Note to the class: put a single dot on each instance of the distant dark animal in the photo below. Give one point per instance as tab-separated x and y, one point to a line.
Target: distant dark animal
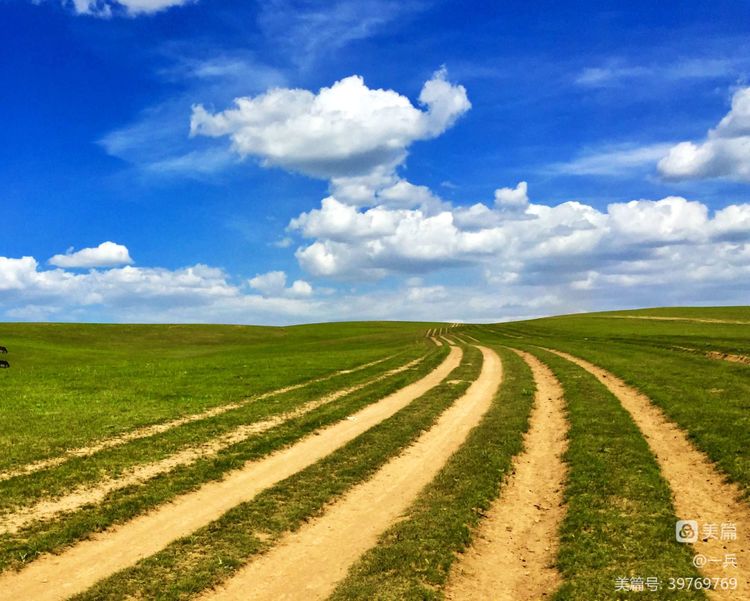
4	363
3	349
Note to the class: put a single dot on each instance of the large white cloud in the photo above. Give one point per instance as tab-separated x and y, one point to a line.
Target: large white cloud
346	130
506	264
145	294
565	244
107	254
724	153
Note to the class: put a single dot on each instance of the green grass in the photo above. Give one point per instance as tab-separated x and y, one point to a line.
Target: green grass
70	384
413	558
122	505
620	519
56	481
707	398
214	553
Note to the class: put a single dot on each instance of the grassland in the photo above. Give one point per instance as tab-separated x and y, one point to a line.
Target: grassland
213	553
72	386
356	342
707	397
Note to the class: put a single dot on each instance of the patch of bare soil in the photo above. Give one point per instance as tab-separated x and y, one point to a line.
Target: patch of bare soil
513	552
718	355
56	577
147	431
92	494
665	318
728	357
700	491
307	564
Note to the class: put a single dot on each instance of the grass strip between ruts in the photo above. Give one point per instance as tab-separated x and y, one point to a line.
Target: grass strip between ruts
211	555
413	558
111	463
124	504
620	520
708	399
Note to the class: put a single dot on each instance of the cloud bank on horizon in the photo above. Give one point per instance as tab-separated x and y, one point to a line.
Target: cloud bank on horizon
379	243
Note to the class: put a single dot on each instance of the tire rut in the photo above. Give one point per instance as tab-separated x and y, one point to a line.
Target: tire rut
700	491
87	495
56	577
513	553
308	564
154	429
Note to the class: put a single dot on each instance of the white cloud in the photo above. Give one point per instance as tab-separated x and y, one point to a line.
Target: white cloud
426	294
724	153
344	131
617	73
570	257
603	76
109	8
300	289
672	219
613	160
270	284
273	284
571	245
512	198
107	254
144	294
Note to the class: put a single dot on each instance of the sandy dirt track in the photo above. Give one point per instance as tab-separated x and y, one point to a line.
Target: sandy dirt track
52	578
307	564
513	552
700	492
147	431
48	509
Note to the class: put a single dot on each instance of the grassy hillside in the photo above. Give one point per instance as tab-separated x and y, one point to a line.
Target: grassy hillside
676	360
70	384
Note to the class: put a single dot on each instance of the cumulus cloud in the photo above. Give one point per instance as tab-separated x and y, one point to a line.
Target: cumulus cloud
110	8
107	254
571	245
724	153
198	293
270	284
300	289
512	198
346	130
517	264
273	284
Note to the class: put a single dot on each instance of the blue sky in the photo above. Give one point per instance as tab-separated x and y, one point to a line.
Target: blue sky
374	167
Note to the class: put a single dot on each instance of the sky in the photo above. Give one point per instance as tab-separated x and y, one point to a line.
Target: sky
292	161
